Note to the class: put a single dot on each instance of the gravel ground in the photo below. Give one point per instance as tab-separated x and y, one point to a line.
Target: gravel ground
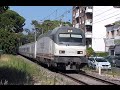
108	77
57	78
86	79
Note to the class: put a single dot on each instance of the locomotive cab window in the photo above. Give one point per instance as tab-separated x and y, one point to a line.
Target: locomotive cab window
77	38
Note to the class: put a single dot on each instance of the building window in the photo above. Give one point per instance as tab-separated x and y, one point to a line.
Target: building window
112	33
90	7
118	32
88	28
77	19
107	34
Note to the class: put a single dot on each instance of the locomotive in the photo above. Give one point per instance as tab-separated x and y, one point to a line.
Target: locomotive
63	48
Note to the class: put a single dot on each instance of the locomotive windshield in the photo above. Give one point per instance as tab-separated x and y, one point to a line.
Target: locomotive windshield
77	38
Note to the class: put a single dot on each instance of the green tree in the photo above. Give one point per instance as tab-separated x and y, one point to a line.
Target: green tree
3	9
47	25
89	51
8	41
11	25
12	21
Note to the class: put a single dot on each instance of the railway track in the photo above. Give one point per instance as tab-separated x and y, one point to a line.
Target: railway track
98	79
85	79
74	79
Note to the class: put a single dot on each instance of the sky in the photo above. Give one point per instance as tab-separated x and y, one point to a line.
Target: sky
41	12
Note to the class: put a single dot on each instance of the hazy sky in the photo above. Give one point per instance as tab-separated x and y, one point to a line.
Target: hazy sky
40	12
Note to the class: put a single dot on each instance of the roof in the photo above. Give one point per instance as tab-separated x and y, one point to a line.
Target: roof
108	25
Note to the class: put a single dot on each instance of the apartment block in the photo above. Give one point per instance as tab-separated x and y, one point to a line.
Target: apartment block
82	18
112	40
92	20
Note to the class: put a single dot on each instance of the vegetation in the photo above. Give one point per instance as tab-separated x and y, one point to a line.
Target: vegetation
17	71
11	21
11	30
40	28
11	25
89	52
47	25
3	9
14	70
102	54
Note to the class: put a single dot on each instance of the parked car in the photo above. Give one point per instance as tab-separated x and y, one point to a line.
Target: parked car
111	59
117	62
96	62
114	60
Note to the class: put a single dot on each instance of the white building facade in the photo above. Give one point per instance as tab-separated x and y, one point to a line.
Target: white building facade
101	16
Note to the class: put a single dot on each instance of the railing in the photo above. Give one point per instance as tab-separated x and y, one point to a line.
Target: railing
88	10
88	22
88	34
77	25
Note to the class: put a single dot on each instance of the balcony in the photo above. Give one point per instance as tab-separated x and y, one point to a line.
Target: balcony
117	37
88	10
88	22
88	34
109	42
77	14
77	25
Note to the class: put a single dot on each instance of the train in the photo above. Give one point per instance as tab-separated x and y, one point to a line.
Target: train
63	48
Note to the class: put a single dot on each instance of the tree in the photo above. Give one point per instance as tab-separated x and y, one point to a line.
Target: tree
8	41
11	24
12	21
47	25
89	51
3	9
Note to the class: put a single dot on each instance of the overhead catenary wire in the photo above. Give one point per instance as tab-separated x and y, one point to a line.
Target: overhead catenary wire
108	18
107	14
56	14
104	12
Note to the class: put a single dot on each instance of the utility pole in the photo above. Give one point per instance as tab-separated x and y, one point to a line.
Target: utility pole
35	45
56	14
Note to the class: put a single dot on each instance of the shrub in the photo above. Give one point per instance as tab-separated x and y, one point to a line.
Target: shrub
89	51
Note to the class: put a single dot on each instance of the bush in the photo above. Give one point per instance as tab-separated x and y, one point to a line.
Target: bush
102	54
89	52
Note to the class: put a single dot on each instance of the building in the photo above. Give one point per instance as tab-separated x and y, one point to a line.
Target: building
92	19
112	40
82	18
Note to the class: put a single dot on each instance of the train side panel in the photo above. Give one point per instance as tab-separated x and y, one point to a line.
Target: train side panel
45	49
27	50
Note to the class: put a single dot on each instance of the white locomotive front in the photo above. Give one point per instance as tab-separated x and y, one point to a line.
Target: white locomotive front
64	48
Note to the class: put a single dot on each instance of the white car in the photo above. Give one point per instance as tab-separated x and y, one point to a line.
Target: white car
96	62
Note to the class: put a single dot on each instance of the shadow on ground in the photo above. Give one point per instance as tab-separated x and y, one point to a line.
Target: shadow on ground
12	76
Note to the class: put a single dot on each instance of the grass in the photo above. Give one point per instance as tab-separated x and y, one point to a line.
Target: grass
16	71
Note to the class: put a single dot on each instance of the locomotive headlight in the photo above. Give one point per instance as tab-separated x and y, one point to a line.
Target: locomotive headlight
61	51
79	52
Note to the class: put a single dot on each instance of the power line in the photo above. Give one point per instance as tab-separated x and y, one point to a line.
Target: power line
107	18
108	14
103	12
99	9
49	15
